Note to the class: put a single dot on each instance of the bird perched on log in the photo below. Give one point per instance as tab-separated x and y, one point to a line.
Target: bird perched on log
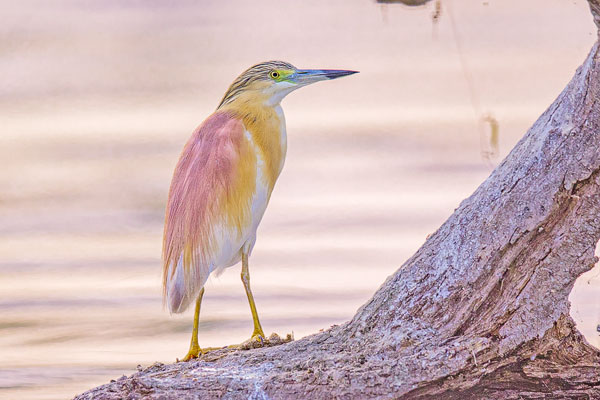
223	182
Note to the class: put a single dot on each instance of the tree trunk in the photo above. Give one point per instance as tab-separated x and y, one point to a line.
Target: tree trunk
480	311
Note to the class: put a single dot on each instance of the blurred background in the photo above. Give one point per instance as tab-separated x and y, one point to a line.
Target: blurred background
98	97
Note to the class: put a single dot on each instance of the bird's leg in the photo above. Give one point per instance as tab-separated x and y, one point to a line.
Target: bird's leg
258	333
195	349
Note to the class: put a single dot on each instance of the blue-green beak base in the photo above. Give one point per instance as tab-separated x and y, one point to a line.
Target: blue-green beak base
306	76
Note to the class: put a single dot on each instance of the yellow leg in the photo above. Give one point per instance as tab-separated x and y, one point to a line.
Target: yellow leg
258	333
195	349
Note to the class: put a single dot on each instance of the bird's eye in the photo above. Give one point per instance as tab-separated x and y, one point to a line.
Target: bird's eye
274	74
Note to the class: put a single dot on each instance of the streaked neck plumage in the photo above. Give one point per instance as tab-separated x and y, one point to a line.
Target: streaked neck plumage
263	119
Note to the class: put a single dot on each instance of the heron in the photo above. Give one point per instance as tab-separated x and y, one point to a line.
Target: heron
222	184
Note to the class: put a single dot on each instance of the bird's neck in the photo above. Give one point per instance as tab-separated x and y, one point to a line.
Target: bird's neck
265	124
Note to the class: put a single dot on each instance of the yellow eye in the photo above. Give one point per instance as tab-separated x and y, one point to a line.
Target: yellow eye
274	74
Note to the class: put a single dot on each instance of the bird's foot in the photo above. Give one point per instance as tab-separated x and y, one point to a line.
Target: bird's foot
259	339
194	352
258	334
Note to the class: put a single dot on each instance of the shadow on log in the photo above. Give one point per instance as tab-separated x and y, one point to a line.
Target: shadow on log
480	311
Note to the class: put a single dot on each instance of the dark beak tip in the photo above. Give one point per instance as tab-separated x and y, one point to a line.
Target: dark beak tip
339	74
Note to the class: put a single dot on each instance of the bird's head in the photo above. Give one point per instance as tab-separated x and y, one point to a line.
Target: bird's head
271	81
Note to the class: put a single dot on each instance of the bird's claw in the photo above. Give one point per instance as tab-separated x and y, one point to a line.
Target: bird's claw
194	352
258	338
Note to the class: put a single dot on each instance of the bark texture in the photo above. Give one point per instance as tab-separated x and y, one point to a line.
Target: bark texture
480	311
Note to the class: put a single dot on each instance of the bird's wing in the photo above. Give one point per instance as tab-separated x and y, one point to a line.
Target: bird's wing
210	194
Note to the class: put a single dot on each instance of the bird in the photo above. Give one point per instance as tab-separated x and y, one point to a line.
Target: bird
222	184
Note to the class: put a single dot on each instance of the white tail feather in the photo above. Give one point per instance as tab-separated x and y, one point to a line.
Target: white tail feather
181	294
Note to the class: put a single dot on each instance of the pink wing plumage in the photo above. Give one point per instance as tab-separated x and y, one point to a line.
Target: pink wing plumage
203	187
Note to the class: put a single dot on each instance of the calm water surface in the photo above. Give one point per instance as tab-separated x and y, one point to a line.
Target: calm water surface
98	99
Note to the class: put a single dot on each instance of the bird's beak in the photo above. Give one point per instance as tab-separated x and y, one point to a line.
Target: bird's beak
308	76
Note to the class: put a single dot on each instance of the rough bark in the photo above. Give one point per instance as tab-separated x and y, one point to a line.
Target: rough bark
480	311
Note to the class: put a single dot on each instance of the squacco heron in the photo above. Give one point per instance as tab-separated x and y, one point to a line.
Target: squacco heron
222	185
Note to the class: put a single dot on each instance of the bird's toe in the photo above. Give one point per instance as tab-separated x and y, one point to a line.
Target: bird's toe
193	353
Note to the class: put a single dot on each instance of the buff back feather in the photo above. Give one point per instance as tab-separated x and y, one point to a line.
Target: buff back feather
211	187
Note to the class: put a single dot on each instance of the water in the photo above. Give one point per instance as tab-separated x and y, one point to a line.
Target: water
98	99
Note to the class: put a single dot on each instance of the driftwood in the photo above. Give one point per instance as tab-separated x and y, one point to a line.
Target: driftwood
480	311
